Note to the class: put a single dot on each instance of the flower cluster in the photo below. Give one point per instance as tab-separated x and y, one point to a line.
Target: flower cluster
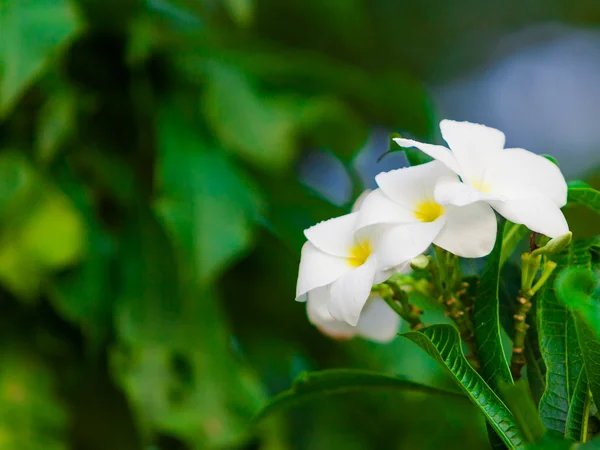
448	202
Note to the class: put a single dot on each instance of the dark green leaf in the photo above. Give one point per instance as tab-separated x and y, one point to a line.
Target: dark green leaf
514	233
579	410
518	399
494	367
559	347
443	344
535	367
339	381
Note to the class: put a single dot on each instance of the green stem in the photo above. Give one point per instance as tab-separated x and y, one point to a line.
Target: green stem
529	270
397	299
447	277
520	332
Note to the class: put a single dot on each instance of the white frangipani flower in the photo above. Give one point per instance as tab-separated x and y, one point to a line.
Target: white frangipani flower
407	199
523	187
378	322
348	264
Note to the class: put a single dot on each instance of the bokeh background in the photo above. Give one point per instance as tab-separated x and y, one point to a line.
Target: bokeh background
159	160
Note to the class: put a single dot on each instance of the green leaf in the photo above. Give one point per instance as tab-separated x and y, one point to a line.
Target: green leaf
575	287
494	367
535	367
514	233
443	344
518	399
207	205
31	34
310	385
41	229
246	123
559	347
583	195
579	410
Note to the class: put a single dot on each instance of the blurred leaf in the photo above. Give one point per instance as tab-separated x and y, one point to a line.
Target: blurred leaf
294	208
207	205
57	120
518	399
247	123
560	348
579	410
313	385
31	33
486	319
326	122
513	235
44	232
32	417
85	294
587	196
241	11
442	343
575	286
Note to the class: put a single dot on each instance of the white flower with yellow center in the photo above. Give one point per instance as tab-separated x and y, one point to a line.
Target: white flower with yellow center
340	265
377	322
407	198
523	187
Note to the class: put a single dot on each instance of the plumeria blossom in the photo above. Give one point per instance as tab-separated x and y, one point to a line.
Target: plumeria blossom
339	266
377	322
523	187
407	198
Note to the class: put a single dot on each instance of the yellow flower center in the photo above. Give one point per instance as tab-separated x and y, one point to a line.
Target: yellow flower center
428	211
481	186
359	253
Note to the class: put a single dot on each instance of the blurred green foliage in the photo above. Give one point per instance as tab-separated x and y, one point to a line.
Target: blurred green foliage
151	220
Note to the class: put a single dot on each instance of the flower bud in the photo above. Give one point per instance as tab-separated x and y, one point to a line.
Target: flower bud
419	263
554	245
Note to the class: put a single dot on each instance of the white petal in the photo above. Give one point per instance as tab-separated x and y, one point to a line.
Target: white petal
470	231
318	269
451	191
473	146
378	322
411	185
516	169
378	208
536	212
350	292
437	152
334	236
360	199
397	244
318	315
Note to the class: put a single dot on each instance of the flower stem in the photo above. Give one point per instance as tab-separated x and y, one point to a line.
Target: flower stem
397	299
520	332
530	267
447	276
